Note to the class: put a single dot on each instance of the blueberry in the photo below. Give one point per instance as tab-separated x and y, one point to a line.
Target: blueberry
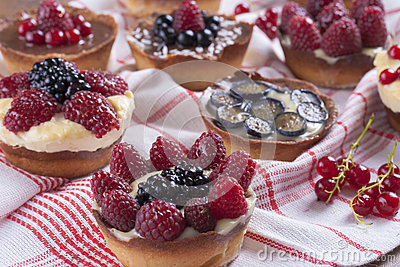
213	28
165	18
212	20
167	35
204	37
186	38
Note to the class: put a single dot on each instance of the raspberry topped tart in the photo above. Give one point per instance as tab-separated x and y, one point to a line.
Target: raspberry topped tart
59	121
52	30
388	67
189	34
180	214
269	118
329	45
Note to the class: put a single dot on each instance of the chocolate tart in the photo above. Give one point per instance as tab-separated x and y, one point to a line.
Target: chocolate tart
343	72
64	164
144	8
93	54
283	150
149	53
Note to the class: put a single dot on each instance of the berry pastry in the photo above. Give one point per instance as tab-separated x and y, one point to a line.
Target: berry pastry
184	215
59	121
315	5
144	8
388	67
189	34
52	30
269	118
329	45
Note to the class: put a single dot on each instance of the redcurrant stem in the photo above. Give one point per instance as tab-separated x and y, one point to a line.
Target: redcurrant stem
378	183
345	163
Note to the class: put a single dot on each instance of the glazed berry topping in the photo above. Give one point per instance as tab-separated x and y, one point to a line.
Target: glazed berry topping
54	26
127	163
304	34
242	8
373	27
208	150
388	76
188	17
288	11
329	14
10	85
239	165
93	111
107	84
342	38
359	5
159	220
119	209
30	108
58	78
102	182
315	6
165	153
199	215
387	203
394	52
227	199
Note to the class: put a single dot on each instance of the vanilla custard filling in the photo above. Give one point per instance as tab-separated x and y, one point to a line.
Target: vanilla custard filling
223	226
389	93
60	134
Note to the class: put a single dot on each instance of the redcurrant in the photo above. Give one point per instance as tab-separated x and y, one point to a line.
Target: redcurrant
55	37
327	167
73	36
387	203
363	205
35	37
323	185
384	168
394	52
85	28
358	176
372	192
242	8
388	76
27	25
390	184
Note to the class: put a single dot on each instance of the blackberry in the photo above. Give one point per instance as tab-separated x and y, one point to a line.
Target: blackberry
186	174
57	77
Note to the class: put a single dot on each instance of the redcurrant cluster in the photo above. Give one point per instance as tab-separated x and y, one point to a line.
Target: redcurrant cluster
267	22
388	76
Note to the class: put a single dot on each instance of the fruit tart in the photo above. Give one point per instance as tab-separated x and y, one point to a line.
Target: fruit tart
52	30
388	67
180	214
144	8
329	45
306	3
189	34
59	121
269	118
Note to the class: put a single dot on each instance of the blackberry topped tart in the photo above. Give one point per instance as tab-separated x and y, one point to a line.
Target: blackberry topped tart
188	34
179	214
269	118
53	30
329	45
57	120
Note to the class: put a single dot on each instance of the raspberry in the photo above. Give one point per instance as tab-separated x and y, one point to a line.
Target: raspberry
329	14
199	215
227	199
119	209
359	5
107	84
188	17
304	34
288	11
30	108
93	111
315	6
127	163
341	38
207	151
9	86
372	27
159	220
165	153
51	16
239	165
102	182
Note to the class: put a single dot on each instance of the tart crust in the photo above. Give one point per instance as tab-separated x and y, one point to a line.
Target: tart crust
206	249
346	72
393	118
231	55
144	8
95	58
65	164
287	150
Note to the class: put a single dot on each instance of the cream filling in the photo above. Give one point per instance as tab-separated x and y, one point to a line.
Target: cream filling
319	53
60	134
223	226
389	93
